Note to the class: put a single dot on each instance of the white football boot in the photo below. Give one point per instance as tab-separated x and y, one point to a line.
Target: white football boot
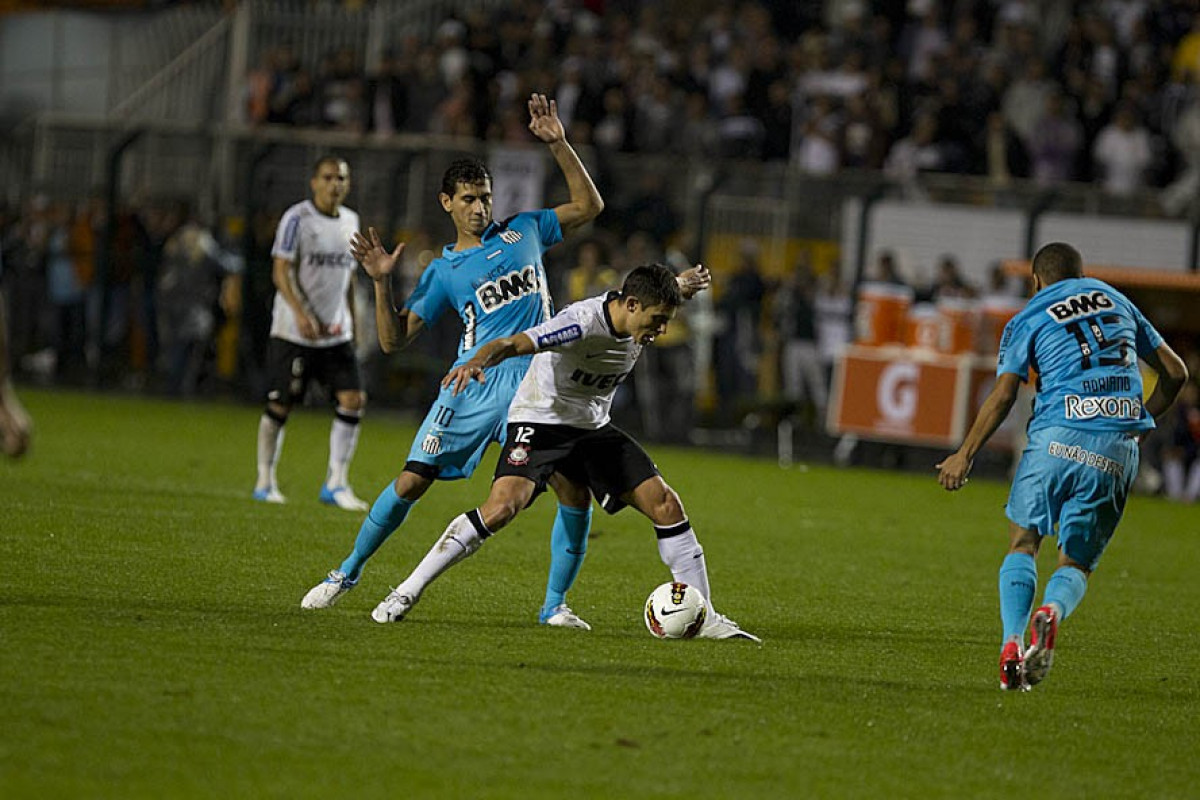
269	495
719	626
563	617
342	497
327	592
393	608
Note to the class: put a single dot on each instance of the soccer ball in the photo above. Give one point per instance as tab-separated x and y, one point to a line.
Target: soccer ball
675	611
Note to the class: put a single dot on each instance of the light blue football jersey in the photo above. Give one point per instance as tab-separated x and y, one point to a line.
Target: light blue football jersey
497	289
1082	337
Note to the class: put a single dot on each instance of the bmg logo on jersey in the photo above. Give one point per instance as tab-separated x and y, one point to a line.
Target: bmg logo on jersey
1079	305
507	288
1080	407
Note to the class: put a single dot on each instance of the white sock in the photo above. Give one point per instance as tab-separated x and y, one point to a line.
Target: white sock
343	439
270	444
1192	492
1173	479
461	538
683	555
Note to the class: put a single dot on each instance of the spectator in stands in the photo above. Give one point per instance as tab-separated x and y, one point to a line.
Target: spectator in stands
916	153
1122	153
1055	142
737	344
386	98
800	365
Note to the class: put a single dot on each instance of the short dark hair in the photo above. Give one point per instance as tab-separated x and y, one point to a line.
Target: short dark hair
470	171
328	158
653	285
1057	262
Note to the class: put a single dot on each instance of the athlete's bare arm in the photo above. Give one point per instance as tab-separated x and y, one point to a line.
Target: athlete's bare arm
397	327
585	203
952	473
1172	375
489	355
283	274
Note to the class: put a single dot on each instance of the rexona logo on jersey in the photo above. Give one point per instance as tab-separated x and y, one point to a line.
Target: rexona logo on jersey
507	288
1083	407
1079	305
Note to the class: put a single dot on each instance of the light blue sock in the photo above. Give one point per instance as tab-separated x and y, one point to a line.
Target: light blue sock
568	546
1065	589
1018	584
385	516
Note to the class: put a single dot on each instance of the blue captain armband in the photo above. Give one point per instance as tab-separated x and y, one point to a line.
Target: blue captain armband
559	337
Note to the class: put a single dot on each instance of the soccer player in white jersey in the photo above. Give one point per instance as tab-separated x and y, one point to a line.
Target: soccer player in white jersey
312	331
1083	338
559	424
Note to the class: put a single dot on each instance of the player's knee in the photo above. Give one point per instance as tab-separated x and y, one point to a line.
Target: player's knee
352	401
667	509
277	411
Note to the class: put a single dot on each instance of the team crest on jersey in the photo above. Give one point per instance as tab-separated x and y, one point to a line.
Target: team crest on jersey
507	288
518	456
432	444
1079	305
509	236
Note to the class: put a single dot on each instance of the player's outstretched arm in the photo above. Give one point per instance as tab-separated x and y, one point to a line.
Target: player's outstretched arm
1172	375
489	355
396	326
585	203
952	472
694	281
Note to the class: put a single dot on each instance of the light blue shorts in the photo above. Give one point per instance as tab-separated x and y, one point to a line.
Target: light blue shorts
1074	484
457	430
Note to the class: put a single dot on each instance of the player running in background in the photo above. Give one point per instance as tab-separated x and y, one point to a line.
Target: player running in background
1083	338
559	424
492	277
312	331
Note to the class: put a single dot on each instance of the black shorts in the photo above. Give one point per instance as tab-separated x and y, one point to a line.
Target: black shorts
291	366
607	460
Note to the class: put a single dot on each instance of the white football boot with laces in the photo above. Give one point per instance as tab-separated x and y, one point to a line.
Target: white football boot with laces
327	592
393	608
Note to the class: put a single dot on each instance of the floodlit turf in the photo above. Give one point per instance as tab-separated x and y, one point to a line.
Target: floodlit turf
152	644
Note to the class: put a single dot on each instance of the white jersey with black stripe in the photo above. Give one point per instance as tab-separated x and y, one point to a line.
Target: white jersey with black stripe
319	246
579	363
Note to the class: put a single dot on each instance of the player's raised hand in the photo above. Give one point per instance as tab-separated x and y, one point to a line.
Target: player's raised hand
543	119
693	281
375	259
462	375
952	473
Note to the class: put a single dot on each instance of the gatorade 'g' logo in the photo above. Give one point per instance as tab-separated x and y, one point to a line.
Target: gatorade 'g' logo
1079	305
896	393
507	288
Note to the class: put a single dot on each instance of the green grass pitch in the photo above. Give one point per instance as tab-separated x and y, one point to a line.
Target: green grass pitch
152	644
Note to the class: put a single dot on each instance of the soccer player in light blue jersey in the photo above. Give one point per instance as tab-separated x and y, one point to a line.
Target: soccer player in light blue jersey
492	277
1083	338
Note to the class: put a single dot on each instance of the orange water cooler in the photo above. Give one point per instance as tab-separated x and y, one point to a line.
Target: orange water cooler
881	313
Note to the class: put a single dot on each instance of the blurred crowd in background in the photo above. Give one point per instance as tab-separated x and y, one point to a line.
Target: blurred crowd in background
1055	90
1105	91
